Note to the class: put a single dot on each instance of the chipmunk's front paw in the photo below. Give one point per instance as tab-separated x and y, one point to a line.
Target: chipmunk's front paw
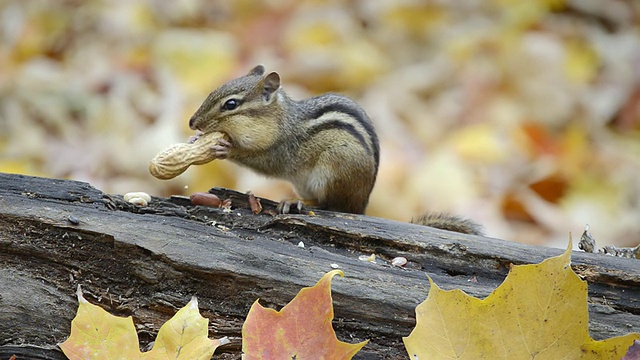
194	138
221	149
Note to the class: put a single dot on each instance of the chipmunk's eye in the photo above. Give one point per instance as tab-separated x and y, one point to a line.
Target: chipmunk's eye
230	104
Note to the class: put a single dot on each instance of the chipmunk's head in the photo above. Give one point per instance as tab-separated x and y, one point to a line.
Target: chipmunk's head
245	109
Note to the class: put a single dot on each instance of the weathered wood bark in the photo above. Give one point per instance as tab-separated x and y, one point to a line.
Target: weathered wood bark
148	262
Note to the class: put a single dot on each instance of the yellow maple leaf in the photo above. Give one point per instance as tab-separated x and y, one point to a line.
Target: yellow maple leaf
96	334
184	336
539	311
300	330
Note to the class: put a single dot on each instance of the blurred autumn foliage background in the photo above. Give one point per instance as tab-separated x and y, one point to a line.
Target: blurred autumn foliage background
523	115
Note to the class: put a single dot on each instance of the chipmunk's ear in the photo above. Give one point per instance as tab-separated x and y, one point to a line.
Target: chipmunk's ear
270	84
256	71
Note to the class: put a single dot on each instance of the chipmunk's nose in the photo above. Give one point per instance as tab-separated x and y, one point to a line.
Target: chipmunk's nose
192	122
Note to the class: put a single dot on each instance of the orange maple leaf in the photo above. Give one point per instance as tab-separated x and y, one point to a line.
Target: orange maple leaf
300	330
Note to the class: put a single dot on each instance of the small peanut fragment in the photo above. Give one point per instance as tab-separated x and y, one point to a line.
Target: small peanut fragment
136	194
206	199
174	160
137	198
369	258
399	261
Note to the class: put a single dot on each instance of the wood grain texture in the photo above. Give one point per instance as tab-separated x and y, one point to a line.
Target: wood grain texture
148	262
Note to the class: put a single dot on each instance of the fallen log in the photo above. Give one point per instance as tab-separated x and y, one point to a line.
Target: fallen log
148	262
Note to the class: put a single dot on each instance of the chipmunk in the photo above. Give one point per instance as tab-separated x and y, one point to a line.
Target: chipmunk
326	146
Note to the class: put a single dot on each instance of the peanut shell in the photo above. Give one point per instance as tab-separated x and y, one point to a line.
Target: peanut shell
174	160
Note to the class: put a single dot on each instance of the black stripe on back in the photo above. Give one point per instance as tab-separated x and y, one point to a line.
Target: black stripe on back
355	114
338	124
